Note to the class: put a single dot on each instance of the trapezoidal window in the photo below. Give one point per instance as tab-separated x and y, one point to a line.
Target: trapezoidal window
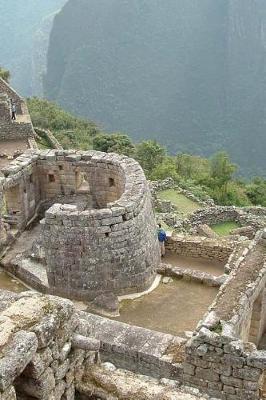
111	182
51	178
82	184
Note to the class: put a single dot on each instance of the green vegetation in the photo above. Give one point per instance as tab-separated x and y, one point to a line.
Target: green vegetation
214	177
24	30
224	228
117	143
175	76
183	204
70	131
43	143
256	191
4	74
217	328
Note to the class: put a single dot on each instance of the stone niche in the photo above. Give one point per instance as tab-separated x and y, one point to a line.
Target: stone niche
99	231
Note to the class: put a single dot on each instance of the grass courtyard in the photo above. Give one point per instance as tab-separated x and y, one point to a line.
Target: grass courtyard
183	204
224	228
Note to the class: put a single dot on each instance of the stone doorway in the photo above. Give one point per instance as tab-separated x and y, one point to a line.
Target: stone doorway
13	207
257	332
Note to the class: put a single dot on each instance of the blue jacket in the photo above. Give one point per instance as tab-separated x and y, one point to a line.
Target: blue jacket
161	235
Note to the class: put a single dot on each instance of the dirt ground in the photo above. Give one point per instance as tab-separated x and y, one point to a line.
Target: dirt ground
9	147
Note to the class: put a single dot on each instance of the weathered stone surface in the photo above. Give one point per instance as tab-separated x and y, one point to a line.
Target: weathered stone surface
39	388
16	356
91	240
85	343
39	363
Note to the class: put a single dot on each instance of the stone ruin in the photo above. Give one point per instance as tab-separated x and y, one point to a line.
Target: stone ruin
99	234
22	127
45	348
94	238
250	219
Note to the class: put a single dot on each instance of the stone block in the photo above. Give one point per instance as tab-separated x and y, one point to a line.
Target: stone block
207	374
247	373
9	394
38	388
18	354
231	381
39	363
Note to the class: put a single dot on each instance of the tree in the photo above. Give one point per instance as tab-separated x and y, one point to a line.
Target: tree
4	74
116	142
222	171
72	132
166	169
149	154
256	191
192	167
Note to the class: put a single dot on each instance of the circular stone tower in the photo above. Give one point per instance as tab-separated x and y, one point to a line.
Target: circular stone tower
107	244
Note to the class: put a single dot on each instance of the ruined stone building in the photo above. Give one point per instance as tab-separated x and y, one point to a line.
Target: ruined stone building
99	234
81	225
21	128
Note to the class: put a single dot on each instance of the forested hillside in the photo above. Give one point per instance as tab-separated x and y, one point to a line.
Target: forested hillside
213	177
24	30
188	73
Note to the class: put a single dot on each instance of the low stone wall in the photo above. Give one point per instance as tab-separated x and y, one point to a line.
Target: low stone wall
13	130
254	217
192	275
220	359
44	347
214	215
200	247
30	278
224	367
168	183
49	137
137	349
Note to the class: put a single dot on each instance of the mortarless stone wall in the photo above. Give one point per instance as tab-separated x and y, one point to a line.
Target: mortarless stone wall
222	358
200	247
254	217
104	240
44	347
22	127
110	248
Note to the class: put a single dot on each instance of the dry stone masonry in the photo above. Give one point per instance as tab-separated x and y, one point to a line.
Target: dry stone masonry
223	358
44	347
22	127
99	234
97	240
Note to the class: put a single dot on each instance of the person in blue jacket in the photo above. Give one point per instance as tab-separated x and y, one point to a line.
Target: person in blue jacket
162	239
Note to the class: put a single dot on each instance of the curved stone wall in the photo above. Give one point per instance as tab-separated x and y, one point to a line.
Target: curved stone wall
110	248
99	234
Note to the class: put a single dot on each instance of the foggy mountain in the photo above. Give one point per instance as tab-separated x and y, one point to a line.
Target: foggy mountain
24	30
189	73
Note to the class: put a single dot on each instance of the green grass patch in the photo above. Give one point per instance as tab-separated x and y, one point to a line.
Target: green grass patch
183	204
224	228
43	143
